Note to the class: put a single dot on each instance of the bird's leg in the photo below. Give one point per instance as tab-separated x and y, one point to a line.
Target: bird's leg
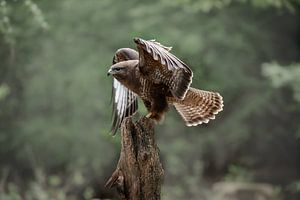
157	107
154	115
148	106
149	115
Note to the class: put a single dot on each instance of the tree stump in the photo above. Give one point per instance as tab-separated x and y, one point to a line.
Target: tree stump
139	173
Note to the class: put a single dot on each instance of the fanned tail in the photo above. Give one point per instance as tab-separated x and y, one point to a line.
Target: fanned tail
198	106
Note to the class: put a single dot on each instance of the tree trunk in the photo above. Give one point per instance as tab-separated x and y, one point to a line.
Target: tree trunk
139	173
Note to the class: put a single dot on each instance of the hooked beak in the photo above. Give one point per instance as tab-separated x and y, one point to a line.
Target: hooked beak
109	72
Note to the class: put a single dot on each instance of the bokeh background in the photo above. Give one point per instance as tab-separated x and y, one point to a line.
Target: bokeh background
55	111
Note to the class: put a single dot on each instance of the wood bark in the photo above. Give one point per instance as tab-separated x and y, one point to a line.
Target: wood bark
139	173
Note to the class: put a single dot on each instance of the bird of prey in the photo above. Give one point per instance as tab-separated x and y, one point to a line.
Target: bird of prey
160	79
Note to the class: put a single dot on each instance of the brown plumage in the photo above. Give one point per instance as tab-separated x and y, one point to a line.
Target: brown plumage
160	79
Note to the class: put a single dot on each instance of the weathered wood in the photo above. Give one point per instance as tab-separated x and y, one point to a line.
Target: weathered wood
139	173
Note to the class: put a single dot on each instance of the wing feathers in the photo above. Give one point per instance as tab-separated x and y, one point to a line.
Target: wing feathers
160	66
125	104
161	53
179	83
124	101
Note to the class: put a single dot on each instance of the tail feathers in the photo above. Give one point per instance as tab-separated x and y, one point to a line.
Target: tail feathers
199	106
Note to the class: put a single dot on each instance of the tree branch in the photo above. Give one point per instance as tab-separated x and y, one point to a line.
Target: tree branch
139	173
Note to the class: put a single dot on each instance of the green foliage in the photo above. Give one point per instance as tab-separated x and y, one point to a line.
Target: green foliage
5	22
238	174
294	186
211	5
4	91
54	93
284	76
10	28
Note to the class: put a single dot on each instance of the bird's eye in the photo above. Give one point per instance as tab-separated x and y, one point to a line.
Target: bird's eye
117	68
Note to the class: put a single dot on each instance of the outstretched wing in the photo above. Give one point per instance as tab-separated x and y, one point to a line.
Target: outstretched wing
125	101
160	66
125	104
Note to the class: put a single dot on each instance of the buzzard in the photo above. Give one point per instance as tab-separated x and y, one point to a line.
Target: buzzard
160	79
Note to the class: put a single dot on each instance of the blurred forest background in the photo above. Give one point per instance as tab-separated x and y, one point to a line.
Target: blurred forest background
55	97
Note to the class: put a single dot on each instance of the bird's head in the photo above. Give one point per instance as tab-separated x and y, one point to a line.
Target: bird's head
122	70
117	70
